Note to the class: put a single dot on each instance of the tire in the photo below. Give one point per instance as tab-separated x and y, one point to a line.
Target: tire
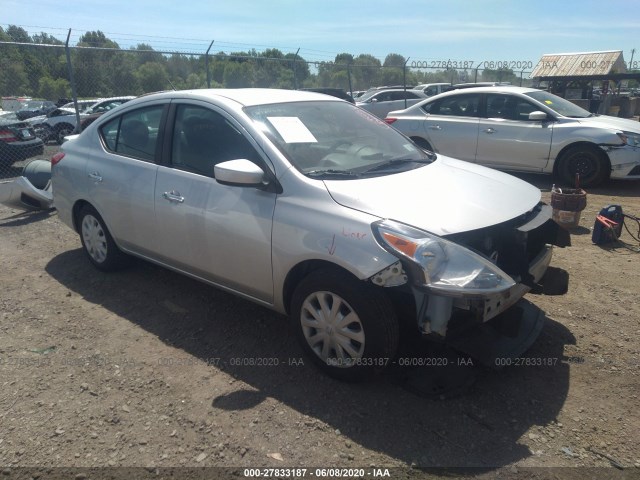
62	131
356	349
589	162
422	143
98	243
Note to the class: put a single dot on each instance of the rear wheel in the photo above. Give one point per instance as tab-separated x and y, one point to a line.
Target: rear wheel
348	328
588	162
98	243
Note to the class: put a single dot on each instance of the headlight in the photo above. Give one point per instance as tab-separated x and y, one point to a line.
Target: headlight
630	138
446	266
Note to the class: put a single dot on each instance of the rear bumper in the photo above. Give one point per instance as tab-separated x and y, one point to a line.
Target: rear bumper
19	193
15	151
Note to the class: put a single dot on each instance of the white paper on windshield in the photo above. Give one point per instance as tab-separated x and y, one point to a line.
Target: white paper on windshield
292	130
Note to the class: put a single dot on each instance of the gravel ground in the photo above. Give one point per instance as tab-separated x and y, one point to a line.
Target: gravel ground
147	368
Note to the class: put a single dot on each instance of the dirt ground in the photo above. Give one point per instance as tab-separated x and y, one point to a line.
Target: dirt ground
148	368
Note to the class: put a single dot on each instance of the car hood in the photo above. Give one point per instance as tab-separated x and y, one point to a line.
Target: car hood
446	197
36	120
616	123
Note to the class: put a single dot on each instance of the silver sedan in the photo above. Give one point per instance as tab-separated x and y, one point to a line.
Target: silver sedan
310	206
526	130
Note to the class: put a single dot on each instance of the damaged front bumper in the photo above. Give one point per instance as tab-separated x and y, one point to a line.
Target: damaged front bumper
435	311
625	161
521	248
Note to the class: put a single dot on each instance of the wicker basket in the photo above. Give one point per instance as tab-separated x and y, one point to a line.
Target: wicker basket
567	203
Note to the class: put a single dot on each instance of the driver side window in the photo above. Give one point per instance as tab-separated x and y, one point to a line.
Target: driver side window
203	138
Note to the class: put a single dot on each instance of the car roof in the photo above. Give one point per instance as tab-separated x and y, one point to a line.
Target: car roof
246	97
487	89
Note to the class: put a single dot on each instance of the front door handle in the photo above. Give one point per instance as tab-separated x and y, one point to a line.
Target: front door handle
173	196
435	127
489	130
95	176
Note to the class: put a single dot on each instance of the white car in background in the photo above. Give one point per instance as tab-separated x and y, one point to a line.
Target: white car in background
431	89
526	130
62	121
381	102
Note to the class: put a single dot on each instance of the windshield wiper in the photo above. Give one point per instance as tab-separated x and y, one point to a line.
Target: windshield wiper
332	172
396	161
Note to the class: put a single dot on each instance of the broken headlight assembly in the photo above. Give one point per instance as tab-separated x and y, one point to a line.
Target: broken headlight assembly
630	138
443	266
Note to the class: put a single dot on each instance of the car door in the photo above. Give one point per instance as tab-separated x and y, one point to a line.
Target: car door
508	139
451	125
380	104
121	177
220	233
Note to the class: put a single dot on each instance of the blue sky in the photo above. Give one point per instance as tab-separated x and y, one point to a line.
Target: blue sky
457	30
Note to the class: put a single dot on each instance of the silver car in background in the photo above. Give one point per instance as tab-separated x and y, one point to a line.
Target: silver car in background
310	206
526	130
382	101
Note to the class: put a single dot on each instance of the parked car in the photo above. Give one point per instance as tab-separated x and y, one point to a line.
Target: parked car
310	206
18	141
431	89
61	122
381	102
34	108
527	130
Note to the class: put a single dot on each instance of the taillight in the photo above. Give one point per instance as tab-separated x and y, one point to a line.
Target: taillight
8	136
390	120
56	158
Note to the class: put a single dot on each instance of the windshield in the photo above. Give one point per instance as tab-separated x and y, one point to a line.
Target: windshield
31	105
334	138
559	105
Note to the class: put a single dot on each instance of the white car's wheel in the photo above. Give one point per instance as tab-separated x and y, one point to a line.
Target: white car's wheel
347	327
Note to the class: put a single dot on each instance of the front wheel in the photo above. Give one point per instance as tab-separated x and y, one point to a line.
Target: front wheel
98	243
588	163
348	328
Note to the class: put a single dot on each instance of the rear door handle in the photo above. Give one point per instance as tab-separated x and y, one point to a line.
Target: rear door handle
95	176
489	130
173	196
435	127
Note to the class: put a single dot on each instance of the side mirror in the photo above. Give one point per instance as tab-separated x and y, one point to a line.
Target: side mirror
240	172
374	100
538	116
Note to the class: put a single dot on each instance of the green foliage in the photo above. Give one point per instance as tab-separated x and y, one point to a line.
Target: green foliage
50	88
107	70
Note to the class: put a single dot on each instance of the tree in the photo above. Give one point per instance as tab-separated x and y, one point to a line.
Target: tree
238	75
394	60
18	34
54	89
152	77
365	71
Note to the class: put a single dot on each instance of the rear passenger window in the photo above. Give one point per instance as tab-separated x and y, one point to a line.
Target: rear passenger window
134	134
458	106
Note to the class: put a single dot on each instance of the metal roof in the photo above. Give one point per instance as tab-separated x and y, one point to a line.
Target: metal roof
584	64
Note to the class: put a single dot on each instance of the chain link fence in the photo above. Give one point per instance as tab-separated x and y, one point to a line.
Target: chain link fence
52	90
